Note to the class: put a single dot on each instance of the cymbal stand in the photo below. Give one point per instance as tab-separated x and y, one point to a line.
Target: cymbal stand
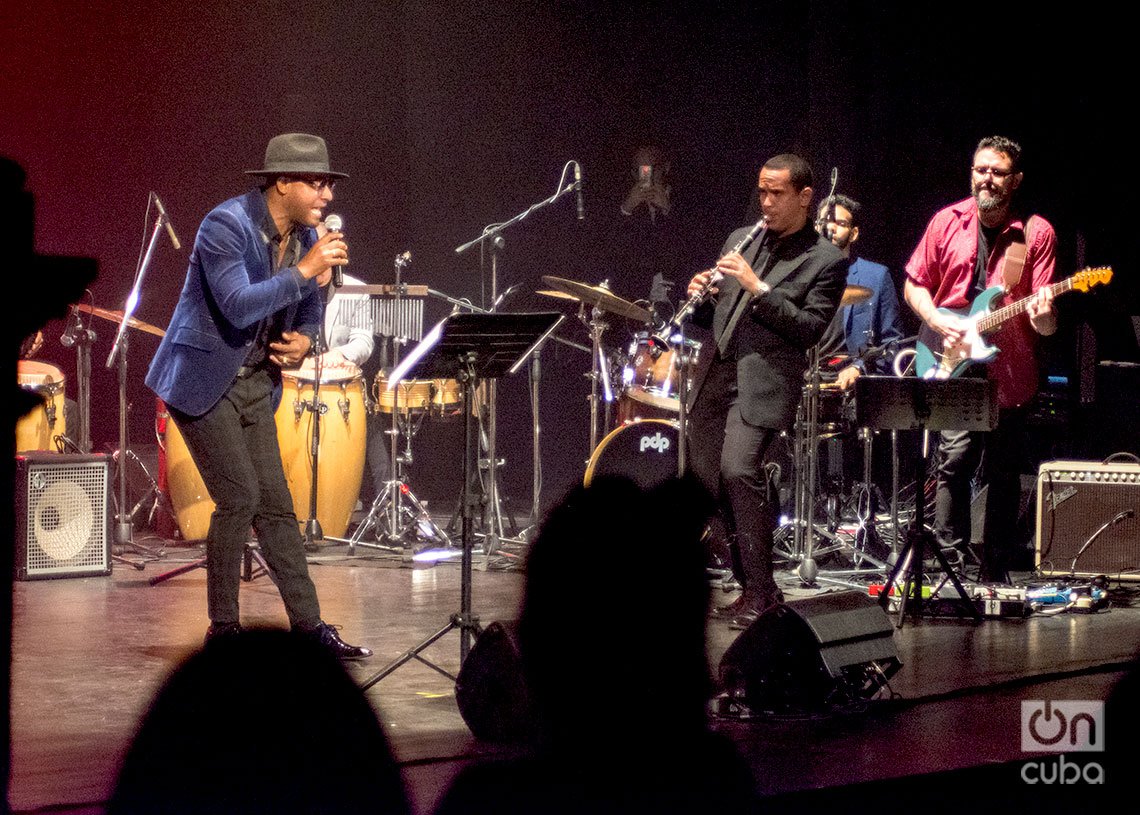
82	337
597	327
317	408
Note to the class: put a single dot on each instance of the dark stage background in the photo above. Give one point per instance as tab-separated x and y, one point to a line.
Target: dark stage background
450	116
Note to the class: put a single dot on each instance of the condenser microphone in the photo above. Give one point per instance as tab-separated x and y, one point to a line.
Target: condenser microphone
334	223
578	187
166	220
69	336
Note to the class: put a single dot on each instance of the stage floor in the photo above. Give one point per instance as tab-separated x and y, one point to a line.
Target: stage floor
88	654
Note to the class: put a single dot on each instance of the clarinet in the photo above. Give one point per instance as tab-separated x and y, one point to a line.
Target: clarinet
660	340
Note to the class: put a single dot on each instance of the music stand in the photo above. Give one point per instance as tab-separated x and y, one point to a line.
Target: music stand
909	403
468	348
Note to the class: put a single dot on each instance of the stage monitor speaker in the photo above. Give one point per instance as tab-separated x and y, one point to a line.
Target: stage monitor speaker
812	654
1088	519
62	516
490	690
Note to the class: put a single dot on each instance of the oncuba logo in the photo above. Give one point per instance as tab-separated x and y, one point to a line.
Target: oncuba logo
656	442
1066	726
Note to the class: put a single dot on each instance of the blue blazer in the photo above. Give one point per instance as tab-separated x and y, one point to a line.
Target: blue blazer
875	321
230	288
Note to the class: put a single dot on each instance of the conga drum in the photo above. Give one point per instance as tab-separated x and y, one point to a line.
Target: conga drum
341	446
178	476
37	430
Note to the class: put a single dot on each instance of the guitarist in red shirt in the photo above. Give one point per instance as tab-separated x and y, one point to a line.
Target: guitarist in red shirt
968	248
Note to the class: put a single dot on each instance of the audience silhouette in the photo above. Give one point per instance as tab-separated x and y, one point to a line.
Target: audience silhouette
265	721
616	668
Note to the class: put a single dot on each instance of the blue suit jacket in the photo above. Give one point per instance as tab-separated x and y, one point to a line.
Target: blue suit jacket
230	288
875	321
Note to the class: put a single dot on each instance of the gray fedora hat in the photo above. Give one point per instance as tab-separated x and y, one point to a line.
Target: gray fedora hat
296	154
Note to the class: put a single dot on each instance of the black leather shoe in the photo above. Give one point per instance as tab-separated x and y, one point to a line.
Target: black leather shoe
222	631
727	612
327	636
752	612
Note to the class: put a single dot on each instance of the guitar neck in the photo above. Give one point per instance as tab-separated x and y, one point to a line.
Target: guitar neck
994	319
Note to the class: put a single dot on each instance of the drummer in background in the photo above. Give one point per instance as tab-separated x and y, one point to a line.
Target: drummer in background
250	306
871	323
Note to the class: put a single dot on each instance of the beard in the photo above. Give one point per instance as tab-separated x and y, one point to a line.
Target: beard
995	199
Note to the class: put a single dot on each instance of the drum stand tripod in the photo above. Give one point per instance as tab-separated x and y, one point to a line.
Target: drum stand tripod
400	519
397	515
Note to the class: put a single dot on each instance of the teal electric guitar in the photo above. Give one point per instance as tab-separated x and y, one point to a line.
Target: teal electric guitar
934	361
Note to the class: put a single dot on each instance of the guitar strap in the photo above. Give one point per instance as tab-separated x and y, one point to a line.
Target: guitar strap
1015	257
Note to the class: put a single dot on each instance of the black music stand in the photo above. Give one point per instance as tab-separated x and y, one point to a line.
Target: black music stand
468	348
908	403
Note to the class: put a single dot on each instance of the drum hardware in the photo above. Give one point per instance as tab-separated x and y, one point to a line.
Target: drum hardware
118	355
79	336
601	301
399	517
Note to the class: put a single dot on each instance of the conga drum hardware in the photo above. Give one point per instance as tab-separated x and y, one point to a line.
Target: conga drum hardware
38	430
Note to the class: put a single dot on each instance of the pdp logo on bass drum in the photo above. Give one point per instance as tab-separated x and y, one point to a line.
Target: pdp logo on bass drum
657	441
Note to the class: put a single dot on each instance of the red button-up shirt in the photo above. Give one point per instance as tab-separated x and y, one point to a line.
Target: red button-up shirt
943	263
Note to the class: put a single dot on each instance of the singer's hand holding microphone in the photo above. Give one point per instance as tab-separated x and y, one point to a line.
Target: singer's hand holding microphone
328	254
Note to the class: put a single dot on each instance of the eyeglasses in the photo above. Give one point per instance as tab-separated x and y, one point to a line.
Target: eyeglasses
844	223
994	171
319	184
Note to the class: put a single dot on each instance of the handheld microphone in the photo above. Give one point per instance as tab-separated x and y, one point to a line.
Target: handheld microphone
166	221
578	187
334	223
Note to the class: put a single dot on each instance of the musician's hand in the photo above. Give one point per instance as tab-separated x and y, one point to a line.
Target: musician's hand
846	378
950	326
699	282
32	345
1041	312
734	265
329	251
290	349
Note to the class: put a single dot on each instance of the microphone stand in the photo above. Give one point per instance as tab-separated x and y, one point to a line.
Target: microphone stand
124	526
493	235
313	531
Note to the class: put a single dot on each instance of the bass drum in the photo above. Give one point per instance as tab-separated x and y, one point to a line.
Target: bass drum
643	451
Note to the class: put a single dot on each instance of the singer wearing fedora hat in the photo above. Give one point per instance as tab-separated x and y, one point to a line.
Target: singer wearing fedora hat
251	306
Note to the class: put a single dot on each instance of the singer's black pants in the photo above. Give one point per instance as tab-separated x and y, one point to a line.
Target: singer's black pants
234	446
728	456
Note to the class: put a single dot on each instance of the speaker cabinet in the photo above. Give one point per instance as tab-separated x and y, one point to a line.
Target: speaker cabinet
62	516
812	654
1088	519
490	690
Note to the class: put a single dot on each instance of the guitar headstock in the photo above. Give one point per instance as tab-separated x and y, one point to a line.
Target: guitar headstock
1093	276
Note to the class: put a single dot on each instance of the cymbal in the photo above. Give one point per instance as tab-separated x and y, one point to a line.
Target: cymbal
117	317
598	296
557	294
855	294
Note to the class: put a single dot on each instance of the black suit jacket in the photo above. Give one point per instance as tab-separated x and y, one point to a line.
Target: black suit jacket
779	328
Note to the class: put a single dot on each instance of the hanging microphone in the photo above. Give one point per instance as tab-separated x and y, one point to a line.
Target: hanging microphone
334	223
578	187
166	220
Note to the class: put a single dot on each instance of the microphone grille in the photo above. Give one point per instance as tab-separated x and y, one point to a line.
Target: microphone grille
333	223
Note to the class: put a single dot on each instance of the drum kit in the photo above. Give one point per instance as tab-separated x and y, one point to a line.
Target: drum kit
635	395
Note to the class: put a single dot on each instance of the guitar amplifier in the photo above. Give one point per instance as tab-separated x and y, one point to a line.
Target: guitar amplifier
62	516
1088	519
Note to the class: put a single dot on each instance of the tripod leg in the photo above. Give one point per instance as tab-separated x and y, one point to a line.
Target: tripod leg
200	563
